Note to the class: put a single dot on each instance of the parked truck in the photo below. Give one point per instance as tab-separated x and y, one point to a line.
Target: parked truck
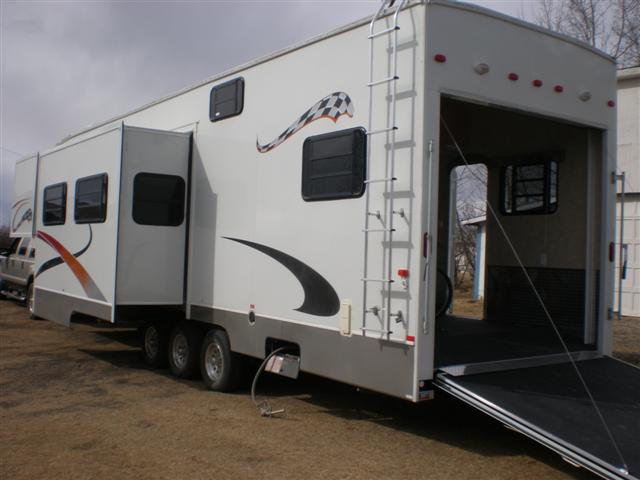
303	201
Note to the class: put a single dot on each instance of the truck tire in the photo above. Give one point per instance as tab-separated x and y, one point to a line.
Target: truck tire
184	349
155	341
30	300
220	368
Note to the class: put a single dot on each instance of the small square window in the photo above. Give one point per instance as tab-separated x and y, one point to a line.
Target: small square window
91	199
530	188
226	100
334	164
54	204
158	199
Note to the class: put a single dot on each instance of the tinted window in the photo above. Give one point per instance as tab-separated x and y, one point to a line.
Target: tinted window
333	165
158	199
226	100
54	204
24	246
530	188
32	253
91	199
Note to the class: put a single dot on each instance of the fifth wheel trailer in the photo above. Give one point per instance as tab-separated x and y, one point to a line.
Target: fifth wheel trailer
303	201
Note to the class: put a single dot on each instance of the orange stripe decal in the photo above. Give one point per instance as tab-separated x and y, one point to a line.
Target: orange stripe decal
89	286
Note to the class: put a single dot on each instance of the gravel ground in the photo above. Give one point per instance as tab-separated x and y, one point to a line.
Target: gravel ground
79	403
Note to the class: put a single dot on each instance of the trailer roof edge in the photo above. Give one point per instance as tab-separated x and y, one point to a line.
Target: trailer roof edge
323	36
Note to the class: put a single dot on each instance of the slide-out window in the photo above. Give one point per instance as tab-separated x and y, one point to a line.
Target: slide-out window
91	199
334	164
54	204
530	188
158	199
226	100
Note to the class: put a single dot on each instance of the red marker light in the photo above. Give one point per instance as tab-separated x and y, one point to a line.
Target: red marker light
513	77
537	83
411	338
440	58
611	103
558	89
403	272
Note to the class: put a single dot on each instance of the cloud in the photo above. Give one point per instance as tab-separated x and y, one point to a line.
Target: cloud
66	65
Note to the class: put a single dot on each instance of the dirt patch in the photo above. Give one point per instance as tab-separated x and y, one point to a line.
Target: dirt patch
79	403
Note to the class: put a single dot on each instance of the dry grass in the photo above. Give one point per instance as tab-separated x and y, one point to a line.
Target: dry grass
80	403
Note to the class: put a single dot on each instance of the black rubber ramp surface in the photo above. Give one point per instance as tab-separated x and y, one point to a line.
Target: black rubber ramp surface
553	399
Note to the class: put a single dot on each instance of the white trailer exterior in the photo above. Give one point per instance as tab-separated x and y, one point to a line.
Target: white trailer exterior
351	282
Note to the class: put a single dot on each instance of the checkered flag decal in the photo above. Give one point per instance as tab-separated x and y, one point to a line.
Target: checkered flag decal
332	106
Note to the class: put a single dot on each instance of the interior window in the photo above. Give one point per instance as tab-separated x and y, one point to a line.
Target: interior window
226	99
158	199
530	188
91	199
333	165
54	204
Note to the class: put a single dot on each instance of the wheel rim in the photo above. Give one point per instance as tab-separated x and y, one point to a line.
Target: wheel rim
180	350
213	361
151	342
31	300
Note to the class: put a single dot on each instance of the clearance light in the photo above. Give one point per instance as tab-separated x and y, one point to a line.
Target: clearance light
558	89
440	58
513	77
537	83
481	68
611	103
585	96
403	272
411	338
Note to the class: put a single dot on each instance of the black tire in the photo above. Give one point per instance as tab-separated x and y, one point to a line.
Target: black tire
220	368
184	350
155	341
444	293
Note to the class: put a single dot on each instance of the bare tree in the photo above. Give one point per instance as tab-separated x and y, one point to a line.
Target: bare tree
612	26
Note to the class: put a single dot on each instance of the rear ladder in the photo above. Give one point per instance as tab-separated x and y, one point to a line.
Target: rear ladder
385	219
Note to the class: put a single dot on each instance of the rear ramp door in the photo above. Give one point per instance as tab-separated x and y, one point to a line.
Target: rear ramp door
549	404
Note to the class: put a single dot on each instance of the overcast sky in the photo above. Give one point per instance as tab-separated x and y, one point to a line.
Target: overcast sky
65	65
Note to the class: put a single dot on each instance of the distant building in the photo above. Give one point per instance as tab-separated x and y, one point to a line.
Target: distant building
628	104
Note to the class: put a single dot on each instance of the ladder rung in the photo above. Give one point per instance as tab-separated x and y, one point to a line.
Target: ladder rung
379	280
379	180
384	32
373	330
369	230
384	80
374	132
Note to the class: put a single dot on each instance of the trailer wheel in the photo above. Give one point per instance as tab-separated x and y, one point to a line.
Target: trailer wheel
155	339
221	369
184	347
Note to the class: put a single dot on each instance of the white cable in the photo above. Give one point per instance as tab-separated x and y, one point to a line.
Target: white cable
544	307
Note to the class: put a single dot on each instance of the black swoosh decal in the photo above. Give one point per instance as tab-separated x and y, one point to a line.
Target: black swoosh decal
319	296
54	262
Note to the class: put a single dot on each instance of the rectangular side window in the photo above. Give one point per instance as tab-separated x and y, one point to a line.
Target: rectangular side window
54	204
334	164
226	100
91	199
32	253
530	188
158	199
